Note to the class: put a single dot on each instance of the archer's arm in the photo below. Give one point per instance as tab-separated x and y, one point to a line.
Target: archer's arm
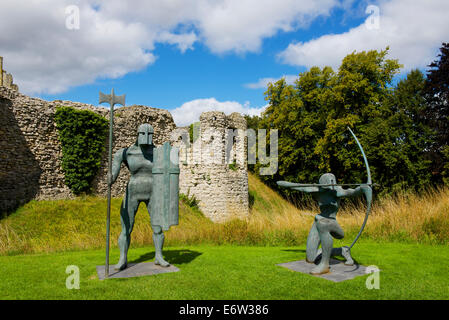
343	193
297	186
307	189
116	164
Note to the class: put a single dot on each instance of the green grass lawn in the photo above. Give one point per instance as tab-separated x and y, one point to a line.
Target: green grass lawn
232	260
409	271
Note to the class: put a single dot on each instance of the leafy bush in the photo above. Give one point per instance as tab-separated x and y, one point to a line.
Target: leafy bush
82	134
189	201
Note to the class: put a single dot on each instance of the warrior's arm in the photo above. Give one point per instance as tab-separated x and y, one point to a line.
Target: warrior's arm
297	186
116	164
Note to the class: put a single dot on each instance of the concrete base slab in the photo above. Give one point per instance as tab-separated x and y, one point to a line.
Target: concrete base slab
135	270
338	270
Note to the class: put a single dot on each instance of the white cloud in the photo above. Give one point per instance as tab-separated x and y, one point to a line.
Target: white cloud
117	37
241	25
182	41
414	30
44	56
190	111
262	83
224	25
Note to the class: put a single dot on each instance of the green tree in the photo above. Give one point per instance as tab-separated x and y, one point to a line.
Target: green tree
252	122
313	115
437	113
295	110
403	157
355	98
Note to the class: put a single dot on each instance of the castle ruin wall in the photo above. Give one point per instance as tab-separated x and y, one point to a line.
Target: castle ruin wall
30	154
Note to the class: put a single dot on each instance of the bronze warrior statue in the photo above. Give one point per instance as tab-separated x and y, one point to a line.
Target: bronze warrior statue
138	158
325	226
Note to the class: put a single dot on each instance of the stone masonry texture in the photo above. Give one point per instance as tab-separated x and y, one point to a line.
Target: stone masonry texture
30	154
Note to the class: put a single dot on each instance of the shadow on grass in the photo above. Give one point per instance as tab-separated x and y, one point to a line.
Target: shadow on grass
318	258
172	256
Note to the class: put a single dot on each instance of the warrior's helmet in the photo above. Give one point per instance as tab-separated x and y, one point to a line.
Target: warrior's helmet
327	178
145	134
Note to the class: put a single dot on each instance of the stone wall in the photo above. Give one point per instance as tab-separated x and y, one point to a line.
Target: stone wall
20	171
30	154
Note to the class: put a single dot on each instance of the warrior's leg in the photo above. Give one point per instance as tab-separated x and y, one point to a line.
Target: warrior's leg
158	239
313	241
127	213
327	228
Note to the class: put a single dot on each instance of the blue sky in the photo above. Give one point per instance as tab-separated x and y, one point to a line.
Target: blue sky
192	56
177	77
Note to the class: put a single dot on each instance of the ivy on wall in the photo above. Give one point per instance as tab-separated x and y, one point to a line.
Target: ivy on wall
193	134
82	134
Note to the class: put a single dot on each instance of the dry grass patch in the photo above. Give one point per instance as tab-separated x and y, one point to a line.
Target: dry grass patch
47	226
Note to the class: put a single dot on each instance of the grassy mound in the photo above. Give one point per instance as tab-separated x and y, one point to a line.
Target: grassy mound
48	226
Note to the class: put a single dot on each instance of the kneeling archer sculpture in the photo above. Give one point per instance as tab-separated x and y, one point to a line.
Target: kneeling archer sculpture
325	227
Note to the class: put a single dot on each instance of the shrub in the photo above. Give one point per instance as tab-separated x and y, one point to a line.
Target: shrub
82	134
189	201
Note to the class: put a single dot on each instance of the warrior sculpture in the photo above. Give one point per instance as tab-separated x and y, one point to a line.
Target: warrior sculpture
140	159
325	227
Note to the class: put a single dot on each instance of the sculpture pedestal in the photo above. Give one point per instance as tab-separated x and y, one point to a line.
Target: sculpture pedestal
135	270
338	270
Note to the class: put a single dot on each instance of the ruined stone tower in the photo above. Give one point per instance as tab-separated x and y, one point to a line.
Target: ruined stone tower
6	79
214	165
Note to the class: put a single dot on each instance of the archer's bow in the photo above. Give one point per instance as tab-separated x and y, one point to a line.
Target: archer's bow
366	190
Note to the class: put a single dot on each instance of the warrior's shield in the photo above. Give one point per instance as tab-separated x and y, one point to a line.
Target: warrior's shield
165	195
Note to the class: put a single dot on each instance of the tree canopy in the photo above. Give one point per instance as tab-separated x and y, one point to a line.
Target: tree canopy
437	112
313	114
